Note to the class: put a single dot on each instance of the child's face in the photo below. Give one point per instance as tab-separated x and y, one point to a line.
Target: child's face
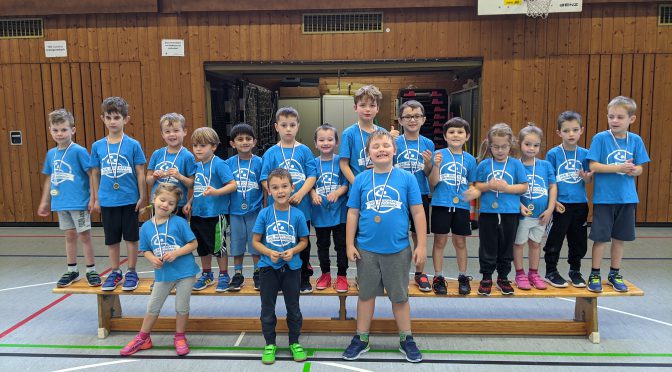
203	151
619	119
530	145
114	122
61	132
287	127
243	143
570	132
500	147
326	141
381	150
412	119
366	109
456	137
173	133
164	203
281	189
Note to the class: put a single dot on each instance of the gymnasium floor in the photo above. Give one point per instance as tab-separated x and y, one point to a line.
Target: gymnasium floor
42	331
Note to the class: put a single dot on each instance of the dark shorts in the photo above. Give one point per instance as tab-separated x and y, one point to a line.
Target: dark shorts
120	221
447	219
425	205
613	221
210	234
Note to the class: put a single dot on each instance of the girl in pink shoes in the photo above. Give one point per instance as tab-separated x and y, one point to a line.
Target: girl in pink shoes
167	242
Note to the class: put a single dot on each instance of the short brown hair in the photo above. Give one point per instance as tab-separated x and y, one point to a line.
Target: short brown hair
378	134
205	135
286	112
280	173
169	188
112	105
61	116
173	118
369	91
412	104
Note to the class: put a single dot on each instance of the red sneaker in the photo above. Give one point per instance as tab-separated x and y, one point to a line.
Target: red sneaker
181	347
324	281
341	284
136	345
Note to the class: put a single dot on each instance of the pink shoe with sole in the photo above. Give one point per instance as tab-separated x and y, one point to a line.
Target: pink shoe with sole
136	345
181	347
522	282
323	282
536	281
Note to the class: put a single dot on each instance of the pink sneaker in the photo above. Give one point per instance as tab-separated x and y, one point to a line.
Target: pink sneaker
536	281
324	281
522	282
181	347
341	284
136	345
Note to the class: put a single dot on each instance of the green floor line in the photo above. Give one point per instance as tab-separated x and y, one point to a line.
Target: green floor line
312	351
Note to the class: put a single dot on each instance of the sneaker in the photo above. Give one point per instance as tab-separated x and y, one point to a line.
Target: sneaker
555	279
485	287
356	348
298	353
410	350
181	347
306	287
93	279
268	357
464	284
323	282
536	281
595	283
112	281
576	279
255	279
136	345
341	284
67	279
422	281
223	281
237	282
131	281
439	285
522	282
504	286
616	281
206	280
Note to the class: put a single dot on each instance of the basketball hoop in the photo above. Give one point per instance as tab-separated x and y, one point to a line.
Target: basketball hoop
538	8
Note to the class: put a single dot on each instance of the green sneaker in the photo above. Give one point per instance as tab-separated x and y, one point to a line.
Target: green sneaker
297	352
268	357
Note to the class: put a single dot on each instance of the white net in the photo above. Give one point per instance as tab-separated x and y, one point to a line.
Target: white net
538	8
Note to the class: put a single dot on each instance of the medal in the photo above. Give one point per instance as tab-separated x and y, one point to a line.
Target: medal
416	164
530	207
246	185
378	203
116	163
456	200
54	192
377	219
495	205
116	186
458	176
530	189
243	206
172	165
58	165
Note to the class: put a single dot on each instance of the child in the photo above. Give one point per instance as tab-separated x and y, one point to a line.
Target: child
285	234
415	155
380	198
298	160
208	208
616	156
452	177
167	242
245	202
67	192
501	180
173	163
572	173
118	178
536	207
329	209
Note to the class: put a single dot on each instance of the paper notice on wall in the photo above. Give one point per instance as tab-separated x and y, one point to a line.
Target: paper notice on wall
55	48
172	47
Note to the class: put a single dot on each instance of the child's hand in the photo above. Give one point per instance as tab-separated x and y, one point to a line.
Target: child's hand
296	198
287	255
427	157
43	210
545	217
394	133
438	158
274	256
169	256
158	174
419	255
472	193
332	198
586	175
209	190
316	199
497	184
627	167
559	207
353	253
172	172
156	262
139	204
92	203
96	206
186	209
524	211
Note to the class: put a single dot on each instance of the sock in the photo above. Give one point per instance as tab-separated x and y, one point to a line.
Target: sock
403	334
118	270
532	271
438	273
462	274
238	269
72	268
594	271
613	271
207	271
223	272
143	335
364	336
521	272
130	269
90	268
487	276
179	336
418	273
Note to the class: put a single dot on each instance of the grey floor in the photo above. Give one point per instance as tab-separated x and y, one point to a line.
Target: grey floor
41	331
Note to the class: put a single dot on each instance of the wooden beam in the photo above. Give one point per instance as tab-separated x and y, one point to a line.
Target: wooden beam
177	6
39	7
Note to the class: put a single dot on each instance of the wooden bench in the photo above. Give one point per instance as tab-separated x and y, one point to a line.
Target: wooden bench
584	321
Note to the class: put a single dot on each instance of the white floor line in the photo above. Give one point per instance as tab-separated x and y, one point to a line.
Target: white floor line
622	312
240	338
225	354
344	366
97	365
25	286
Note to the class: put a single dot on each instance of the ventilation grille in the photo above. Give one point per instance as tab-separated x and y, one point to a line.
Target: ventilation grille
330	23
18	28
665	15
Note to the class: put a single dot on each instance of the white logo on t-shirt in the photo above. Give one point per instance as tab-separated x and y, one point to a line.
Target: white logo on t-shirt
386	198
281	234
110	166
62	172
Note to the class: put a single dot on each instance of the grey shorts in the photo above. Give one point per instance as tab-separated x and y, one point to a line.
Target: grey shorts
615	221
377	273
79	220
529	228
161	291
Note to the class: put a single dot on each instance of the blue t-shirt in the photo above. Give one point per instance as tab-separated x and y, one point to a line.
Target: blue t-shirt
353	148
544	177
616	188
410	159
185	163
390	235
281	236
178	234
216	174
451	172
513	174
301	166
329	179
247	180
571	188
68	178
122	162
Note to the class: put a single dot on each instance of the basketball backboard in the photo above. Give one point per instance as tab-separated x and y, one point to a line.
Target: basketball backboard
500	7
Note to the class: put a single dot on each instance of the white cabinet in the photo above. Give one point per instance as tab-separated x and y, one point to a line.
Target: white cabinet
338	111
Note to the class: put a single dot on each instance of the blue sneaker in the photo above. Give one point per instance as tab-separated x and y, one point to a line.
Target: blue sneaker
595	283
206	280
356	349
130	281
410	350
112	281
616	281
223	283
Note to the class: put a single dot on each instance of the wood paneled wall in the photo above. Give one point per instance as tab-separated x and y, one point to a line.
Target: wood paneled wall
532	70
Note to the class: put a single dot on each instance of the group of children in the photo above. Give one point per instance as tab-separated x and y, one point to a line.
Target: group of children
365	199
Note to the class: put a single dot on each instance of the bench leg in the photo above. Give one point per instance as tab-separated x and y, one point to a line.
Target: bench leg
109	307
585	311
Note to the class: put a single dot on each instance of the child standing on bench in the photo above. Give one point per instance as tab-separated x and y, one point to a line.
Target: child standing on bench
166	241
